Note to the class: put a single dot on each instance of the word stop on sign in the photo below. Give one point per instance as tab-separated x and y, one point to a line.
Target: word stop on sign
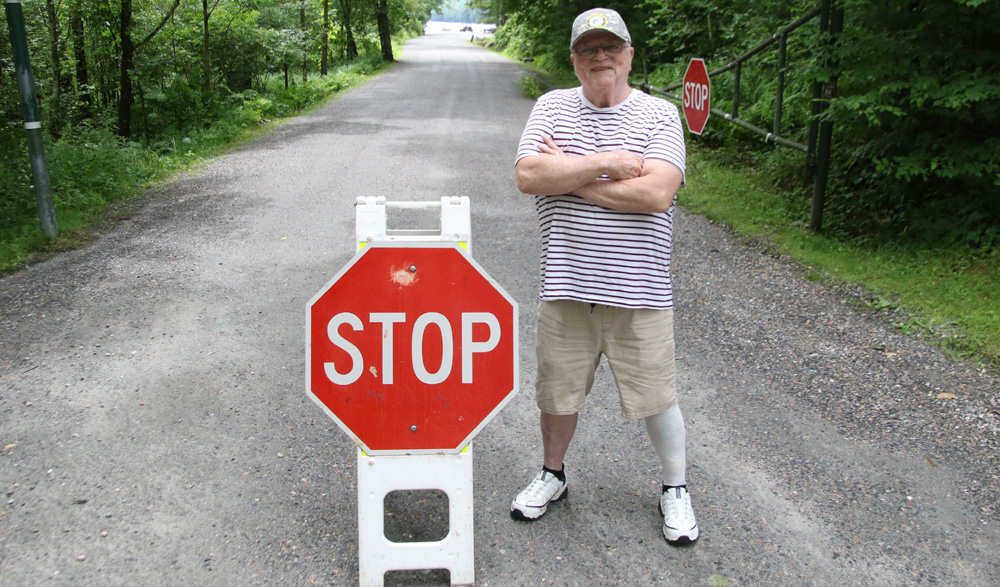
423	322
695	95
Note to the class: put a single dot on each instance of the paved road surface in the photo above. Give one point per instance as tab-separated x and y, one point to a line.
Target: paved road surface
154	429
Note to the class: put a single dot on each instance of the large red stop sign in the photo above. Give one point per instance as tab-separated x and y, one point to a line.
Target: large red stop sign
412	349
697	95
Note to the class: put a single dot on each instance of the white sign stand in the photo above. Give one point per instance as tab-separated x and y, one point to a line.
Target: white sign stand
371	222
380	475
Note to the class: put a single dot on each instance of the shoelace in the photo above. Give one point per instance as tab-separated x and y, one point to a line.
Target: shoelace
678	507
537	490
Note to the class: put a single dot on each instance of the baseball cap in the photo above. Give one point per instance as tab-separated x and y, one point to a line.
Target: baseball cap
599	19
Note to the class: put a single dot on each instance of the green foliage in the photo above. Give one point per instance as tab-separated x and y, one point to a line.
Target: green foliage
90	167
16	202
532	87
919	121
199	82
722	29
916	152
409	16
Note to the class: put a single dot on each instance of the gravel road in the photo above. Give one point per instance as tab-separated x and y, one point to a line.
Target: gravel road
155	430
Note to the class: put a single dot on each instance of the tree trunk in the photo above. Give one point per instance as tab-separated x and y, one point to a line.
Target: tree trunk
385	38
56	56
85	97
345	22
125	87
128	47
305	43
205	56
326	38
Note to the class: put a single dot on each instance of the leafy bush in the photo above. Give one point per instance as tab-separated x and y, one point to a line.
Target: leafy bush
91	167
919	121
531	87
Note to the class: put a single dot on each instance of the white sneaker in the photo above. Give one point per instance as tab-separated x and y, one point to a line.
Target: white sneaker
679	526
531	503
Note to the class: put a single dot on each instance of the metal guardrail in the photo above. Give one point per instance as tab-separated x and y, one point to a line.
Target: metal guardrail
780	37
817	148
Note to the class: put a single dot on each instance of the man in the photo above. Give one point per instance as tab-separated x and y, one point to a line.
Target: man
605	163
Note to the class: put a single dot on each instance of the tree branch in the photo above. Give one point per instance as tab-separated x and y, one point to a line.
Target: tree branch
159	26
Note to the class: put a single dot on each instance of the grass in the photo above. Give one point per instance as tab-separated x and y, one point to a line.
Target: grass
948	297
96	176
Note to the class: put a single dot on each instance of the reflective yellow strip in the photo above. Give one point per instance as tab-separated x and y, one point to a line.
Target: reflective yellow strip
463	244
464	450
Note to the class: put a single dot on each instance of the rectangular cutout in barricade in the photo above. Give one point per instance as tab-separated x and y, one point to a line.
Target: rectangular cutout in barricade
412	349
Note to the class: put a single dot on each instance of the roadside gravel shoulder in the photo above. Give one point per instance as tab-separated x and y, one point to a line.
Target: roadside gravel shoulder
894	392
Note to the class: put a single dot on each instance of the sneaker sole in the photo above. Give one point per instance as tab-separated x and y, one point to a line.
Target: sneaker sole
520	516
682	540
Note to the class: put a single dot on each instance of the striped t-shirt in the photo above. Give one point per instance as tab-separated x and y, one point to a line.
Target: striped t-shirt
591	253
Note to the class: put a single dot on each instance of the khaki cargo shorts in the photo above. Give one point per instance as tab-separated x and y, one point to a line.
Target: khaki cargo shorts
638	343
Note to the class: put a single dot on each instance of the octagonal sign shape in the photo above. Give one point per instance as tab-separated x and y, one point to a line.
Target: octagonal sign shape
697	98
412	348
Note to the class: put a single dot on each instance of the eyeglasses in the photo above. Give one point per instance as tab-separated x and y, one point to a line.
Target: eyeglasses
609	49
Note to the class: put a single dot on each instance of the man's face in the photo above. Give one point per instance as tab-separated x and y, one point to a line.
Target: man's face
603	70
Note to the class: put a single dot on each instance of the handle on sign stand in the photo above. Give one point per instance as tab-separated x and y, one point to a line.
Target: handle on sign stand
371	221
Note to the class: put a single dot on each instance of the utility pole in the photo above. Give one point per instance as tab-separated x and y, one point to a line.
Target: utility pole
29	112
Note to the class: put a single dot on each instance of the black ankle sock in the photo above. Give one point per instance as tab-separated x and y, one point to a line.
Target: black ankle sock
666	487
560	475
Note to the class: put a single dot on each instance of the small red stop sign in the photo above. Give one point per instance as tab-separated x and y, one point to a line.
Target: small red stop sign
697	95
412	349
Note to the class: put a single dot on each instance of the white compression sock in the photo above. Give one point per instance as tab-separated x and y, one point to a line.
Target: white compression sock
666	432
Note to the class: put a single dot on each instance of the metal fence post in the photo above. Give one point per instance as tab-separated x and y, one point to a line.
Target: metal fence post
818	143
29	111
737	74
816	105
780	90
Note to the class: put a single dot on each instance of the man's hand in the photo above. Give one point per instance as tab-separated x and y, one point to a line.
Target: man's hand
553	172
653	191
622	164
549	147
616	164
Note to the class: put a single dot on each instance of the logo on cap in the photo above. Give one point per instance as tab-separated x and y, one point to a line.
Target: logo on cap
597	21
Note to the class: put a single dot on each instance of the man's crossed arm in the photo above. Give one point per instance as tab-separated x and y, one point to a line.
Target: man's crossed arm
635	184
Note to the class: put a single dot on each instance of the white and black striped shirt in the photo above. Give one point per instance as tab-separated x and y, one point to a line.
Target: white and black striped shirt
591	253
